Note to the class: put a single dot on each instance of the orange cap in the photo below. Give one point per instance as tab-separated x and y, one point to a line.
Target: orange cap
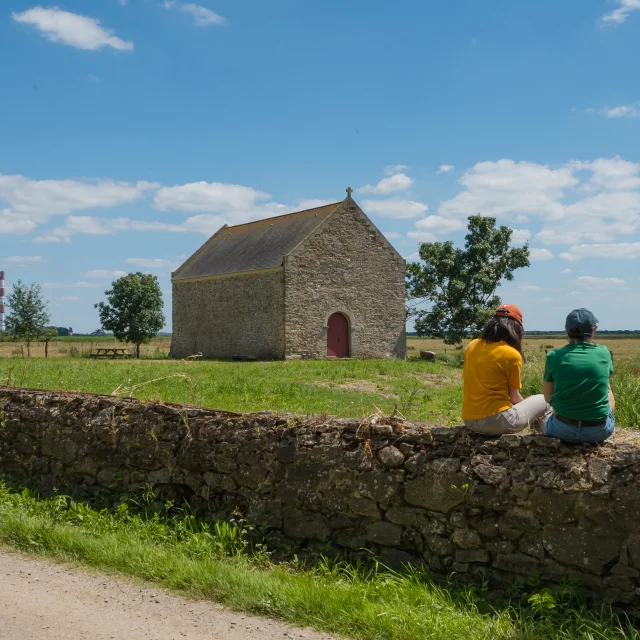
509	311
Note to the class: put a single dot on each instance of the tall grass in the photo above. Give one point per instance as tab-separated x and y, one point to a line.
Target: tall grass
215	560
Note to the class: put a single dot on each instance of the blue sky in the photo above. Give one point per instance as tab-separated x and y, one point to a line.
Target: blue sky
130	130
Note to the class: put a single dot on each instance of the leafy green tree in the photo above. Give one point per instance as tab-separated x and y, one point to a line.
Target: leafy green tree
134	312
452	292
28	316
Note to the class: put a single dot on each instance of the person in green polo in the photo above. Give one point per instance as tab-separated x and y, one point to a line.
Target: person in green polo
576	384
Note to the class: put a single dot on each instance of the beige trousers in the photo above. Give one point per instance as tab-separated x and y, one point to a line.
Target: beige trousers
531	412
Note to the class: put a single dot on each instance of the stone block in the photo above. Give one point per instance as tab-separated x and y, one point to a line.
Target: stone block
391	457
385	533
379	486
364	507
439	546
472	555
402	515
599	470
581	548
517	563
437	492
490	474
466	539
307	525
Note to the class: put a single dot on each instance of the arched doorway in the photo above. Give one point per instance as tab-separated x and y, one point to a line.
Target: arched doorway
338	336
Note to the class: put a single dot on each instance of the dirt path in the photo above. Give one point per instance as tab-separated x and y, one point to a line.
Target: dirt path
42	601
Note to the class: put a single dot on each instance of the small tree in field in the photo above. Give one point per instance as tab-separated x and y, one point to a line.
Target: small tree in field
28	316
453	291
134	309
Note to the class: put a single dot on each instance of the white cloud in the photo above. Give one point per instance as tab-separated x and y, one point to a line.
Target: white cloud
152	263
612	174
623	111
12	223
47	197
392	184
430	227
91	225
520	236
506	188
395	208
104	273
70	285
394	168
392	235
412	257
445	168
619	15
75	30
211	197
565	272
21	259
69	298
529	287
540	255
599	283
622	250
202	17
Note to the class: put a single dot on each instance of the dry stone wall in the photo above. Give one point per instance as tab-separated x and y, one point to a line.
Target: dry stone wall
487	509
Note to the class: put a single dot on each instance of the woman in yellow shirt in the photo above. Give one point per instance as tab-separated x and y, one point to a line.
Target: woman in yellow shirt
492	403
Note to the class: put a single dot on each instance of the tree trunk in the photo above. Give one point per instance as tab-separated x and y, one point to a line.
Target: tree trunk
28	349
46	348
138	350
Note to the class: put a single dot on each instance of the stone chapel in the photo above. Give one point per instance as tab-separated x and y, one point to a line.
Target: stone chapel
317	283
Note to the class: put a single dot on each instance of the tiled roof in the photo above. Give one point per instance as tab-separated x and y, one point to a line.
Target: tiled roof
254	245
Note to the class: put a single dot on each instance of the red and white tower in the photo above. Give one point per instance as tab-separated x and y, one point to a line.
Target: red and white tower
1	300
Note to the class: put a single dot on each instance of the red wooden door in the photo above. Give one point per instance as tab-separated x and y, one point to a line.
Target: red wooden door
338	337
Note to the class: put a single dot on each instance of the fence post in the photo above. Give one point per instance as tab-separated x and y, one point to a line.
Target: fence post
46	348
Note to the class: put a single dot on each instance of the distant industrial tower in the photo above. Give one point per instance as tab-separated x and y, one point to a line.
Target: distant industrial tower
1	300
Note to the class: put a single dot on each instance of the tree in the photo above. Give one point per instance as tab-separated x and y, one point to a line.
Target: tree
28	316
134	312
458	286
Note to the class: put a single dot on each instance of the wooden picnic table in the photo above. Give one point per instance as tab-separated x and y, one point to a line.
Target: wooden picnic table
110	352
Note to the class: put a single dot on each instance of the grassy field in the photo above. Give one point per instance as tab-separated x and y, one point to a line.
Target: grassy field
418	390
213	560
81	346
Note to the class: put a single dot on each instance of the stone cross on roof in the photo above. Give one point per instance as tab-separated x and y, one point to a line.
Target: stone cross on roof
349	192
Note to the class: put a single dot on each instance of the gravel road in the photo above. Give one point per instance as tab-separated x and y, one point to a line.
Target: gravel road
44	601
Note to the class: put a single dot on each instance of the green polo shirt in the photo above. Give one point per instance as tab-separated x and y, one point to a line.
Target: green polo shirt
580	375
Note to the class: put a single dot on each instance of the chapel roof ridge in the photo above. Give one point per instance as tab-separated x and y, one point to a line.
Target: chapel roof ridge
332	205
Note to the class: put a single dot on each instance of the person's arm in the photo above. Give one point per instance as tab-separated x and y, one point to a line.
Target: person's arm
547	390
612	400
514	383
515	396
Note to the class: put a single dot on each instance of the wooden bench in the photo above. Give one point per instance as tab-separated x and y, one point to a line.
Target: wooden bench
110	352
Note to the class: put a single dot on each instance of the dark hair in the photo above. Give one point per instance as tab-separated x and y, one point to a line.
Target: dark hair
577	335
504	330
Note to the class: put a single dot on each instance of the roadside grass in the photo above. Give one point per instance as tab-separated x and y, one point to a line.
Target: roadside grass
214	560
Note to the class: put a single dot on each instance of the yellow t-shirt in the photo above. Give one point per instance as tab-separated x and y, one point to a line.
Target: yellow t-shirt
490	370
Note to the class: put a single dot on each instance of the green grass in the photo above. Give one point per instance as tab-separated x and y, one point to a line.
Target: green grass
215	561
421	390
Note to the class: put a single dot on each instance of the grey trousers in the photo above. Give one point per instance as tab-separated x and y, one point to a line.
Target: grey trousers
531	412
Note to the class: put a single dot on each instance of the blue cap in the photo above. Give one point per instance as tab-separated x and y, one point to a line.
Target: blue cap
580	322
